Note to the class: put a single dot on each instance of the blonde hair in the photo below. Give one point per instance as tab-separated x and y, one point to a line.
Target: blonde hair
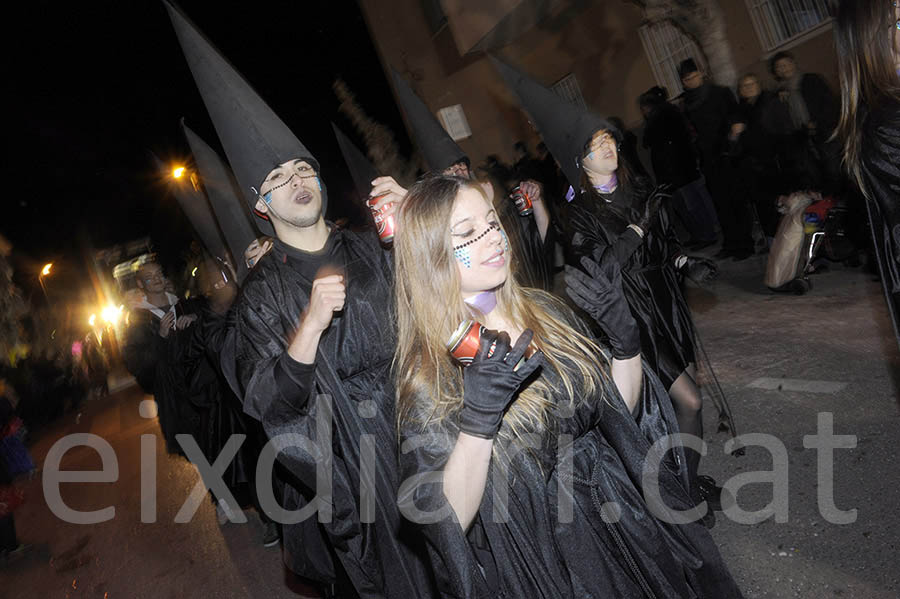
429	307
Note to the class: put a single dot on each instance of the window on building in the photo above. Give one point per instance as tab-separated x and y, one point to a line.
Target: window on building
666	46
567	88
454	121
779	22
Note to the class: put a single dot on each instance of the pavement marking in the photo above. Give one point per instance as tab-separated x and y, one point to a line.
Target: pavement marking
808	386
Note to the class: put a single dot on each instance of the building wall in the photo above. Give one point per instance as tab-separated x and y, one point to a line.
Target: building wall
596	40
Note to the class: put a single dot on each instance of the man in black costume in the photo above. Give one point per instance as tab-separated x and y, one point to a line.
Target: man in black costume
154	352
311	344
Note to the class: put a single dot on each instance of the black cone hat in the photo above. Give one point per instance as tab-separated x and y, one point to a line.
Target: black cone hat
227	206
564	127
438	148
255	139
194	205
361	169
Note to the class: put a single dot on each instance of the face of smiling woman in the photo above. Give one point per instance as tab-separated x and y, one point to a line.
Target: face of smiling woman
479	245
292	194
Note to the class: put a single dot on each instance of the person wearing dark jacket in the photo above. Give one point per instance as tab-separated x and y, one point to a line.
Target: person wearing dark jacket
155	342
674	162
814	112
711	109
310	345
753	151
867	36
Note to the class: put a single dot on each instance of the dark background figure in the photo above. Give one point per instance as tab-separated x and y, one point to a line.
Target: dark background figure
154	352
710	109
867	36
629	147
674	162
9	496
753	152
814	113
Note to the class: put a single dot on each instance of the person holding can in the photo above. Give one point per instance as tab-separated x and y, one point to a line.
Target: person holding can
610	210
504	514
309	349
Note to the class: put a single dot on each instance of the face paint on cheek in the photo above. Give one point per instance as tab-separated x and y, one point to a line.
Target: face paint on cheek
267	198
319	183
505	241
463	257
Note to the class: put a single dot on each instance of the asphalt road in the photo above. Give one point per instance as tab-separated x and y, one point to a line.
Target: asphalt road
782	361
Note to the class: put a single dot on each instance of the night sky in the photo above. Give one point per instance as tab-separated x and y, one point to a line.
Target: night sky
98	84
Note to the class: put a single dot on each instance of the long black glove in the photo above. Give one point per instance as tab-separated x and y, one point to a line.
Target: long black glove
489	383
652	206
699	270
599	293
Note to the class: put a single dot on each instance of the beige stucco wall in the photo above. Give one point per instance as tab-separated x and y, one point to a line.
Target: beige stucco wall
597	41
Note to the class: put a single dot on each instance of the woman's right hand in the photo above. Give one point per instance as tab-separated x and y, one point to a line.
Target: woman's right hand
490	382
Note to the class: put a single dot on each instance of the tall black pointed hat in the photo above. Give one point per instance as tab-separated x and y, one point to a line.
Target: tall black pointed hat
436	145
222	192
196	208
564	126
255	139
361	170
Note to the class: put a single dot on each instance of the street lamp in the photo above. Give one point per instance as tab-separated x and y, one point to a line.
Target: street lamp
44	272
178	172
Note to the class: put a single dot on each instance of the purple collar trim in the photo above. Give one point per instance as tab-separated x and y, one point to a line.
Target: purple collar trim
609	186
484	302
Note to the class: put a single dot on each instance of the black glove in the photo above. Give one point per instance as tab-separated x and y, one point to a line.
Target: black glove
699	270
489	383
599	293
652	206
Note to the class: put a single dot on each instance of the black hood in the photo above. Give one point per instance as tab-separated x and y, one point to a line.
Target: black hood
255	139
564	127
361	170
436	146
195	206
221	190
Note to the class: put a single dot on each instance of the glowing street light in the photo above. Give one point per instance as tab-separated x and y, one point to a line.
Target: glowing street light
111	314
178	172
46	270
92	319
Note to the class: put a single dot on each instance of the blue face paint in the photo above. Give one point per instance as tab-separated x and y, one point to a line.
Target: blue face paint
319	183
462	256
268	198
505	241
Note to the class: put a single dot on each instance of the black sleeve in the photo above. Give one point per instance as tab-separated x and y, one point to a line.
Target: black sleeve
424	452
142	349
593	235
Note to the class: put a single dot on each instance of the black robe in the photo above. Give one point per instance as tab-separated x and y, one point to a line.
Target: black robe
353	368
649	280
160	367
534	256
220	412
535	553
880	165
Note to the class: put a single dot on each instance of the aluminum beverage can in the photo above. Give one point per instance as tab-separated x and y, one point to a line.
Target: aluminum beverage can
522	201
466	339
383	224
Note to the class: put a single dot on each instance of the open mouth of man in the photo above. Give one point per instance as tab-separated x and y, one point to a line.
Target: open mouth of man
303	197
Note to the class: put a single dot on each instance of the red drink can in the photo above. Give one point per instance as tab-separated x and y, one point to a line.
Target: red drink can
522	201
466	339
383	224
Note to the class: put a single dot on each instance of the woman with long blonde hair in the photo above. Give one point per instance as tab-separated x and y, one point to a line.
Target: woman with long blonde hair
525	473
867	37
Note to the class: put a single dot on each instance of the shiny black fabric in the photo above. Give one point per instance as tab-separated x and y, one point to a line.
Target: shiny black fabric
534	256
649	279
352	368
220	412
525	549
880	165
159	366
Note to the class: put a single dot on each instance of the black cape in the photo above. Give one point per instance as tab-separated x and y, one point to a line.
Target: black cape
160	367
649	280
880	165
535	554
353	368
